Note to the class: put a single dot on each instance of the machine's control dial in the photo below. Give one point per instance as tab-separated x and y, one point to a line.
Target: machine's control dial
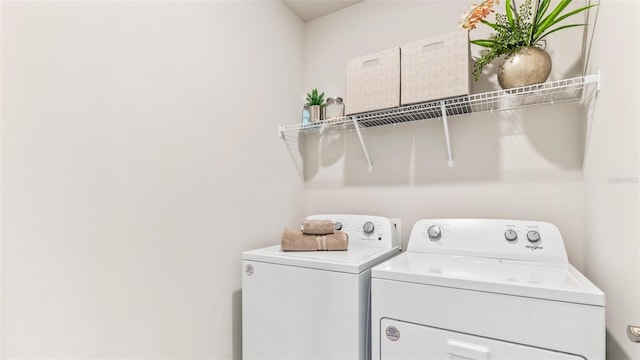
337	225
533	236
368	227
511	235
434	232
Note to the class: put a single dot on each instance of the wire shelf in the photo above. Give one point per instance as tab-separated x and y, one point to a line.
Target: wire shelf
546	93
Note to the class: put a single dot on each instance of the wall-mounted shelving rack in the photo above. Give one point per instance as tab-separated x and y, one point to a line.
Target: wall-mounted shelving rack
547	93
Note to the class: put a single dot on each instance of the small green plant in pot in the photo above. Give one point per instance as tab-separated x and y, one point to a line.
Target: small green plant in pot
520	36
315	102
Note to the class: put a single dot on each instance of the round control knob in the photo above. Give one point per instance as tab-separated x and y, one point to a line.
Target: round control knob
337	225
368	227
533	236
434	232
510	235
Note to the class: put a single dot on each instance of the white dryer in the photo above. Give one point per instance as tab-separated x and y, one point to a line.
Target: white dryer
314	305
485	289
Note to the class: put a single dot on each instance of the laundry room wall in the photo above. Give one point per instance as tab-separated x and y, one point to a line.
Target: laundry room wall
139	159
612	172
523	164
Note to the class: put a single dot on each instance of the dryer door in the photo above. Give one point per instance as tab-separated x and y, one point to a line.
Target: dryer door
402	340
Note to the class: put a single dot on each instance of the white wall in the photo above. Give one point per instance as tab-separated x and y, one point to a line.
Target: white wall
611	171
139	158
523	164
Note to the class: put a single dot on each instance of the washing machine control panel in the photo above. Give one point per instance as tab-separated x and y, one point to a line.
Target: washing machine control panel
366	230
490	238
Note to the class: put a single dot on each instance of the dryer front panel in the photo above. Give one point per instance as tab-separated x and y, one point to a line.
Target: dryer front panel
403	340
542	324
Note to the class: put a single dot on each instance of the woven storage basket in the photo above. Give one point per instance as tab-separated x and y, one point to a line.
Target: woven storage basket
436	68
373	82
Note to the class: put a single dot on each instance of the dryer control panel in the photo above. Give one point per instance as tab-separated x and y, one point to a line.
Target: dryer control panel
489	238
366	230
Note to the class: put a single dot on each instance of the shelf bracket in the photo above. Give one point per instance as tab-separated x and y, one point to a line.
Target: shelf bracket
364	147
443	109
593	78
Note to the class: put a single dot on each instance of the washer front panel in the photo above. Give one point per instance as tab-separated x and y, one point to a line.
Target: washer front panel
300	313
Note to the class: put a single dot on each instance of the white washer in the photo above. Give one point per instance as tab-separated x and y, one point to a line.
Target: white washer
303	305
485	289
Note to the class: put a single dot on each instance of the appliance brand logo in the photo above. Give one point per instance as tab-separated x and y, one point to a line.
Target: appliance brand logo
535	247
392	333
249	269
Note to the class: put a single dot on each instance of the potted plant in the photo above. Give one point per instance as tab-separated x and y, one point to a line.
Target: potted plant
315	102
520	35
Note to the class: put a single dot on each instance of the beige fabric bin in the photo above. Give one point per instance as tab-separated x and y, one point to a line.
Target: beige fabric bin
373	82
439	67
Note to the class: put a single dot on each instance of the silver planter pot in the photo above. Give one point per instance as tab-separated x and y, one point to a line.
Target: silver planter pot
315	112
527	66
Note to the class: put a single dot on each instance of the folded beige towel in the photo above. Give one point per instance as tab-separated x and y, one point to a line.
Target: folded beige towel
295	240
318	227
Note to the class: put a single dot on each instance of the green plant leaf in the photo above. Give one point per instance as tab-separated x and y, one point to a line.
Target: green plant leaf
559	28
489	24
542	9
548	20
571	13
483	42
510	14
538	35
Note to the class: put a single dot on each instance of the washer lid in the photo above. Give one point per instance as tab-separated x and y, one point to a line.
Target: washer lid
552	281
355	260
